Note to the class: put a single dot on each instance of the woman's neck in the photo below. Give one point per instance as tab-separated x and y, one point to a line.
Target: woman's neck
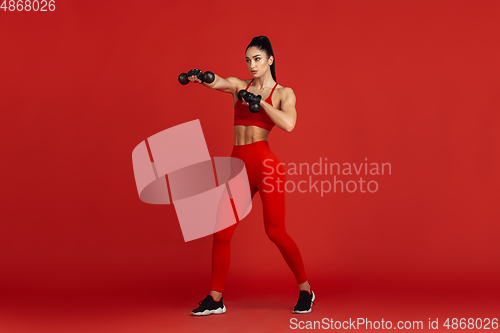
263	82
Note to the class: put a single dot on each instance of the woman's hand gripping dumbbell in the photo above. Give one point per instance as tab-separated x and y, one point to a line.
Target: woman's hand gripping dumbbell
207	77
252	100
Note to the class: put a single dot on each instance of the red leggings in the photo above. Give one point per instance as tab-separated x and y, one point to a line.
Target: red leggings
259	159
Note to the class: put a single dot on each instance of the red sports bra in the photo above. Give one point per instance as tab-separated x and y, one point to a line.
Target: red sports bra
243	116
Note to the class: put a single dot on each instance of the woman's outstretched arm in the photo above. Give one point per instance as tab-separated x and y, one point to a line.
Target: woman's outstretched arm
227	85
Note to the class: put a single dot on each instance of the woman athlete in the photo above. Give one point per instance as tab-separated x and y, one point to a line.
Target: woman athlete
250	145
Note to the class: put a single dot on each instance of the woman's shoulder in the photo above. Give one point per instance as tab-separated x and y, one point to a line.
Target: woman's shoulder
283	91
283	88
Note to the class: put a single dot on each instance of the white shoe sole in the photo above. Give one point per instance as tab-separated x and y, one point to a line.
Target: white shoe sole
209	312
310	309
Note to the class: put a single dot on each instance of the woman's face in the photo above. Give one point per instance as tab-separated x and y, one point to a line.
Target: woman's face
257	62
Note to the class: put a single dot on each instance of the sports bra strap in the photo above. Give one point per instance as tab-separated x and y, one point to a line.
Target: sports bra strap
273	88
249	84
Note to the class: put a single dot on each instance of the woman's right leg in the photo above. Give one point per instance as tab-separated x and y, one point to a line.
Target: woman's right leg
221	253
221	256
220	267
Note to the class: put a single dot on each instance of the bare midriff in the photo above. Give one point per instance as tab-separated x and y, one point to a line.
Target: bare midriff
244	135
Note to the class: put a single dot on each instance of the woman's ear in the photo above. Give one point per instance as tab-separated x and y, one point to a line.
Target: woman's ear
271	60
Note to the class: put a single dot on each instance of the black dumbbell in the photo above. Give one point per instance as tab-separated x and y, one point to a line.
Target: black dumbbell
207	77
252	100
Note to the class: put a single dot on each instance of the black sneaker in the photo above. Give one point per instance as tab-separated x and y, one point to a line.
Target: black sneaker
209	306
305	302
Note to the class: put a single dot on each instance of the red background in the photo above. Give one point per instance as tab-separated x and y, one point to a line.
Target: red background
410	83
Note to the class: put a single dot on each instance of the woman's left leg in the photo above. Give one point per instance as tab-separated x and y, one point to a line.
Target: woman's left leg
272	193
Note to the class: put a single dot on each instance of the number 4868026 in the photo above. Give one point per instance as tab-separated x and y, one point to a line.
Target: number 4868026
28	5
